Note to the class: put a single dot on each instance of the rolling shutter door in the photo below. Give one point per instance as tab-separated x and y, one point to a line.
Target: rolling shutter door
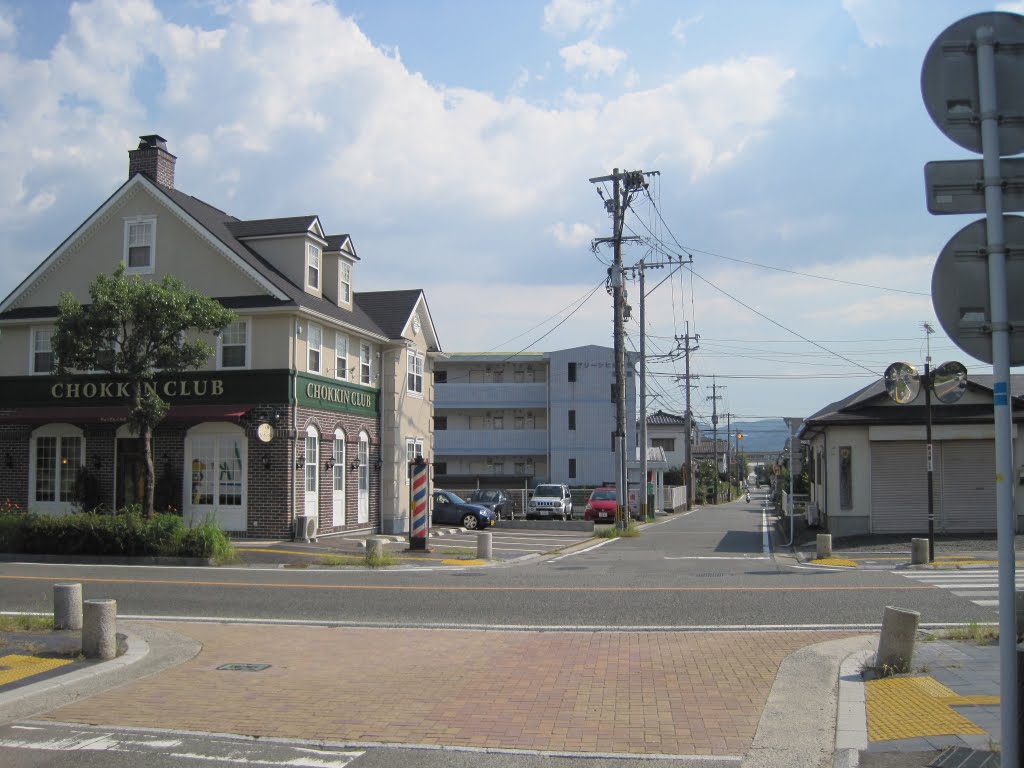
899	487
968	480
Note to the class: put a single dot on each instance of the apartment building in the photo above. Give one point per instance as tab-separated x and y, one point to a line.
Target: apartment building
514	420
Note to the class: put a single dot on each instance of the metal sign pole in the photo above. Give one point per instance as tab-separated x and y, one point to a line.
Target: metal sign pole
1005	523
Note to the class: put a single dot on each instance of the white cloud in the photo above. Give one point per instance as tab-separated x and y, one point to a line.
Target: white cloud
592	58
572	235
8	32
570	16
681	25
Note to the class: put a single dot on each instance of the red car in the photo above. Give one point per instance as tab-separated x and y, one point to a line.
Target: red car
601	506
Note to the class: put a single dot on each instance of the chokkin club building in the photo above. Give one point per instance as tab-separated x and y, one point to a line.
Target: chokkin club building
313	403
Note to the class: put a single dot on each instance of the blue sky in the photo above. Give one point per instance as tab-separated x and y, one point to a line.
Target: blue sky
453	140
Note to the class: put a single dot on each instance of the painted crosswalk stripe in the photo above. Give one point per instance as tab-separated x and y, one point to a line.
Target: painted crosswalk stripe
980	587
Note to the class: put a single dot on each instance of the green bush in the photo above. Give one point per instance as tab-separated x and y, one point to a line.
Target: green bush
126	534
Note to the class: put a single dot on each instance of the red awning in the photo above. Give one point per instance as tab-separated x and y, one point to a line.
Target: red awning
118	414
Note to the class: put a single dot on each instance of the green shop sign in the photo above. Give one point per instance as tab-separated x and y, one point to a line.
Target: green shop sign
198	387
333	395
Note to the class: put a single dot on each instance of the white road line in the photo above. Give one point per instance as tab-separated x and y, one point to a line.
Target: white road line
581	551
766	541
718	557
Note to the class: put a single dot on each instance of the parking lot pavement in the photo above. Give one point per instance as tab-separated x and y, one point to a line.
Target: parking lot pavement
447	547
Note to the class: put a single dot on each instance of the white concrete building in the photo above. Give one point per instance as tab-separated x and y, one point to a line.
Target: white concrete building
515	420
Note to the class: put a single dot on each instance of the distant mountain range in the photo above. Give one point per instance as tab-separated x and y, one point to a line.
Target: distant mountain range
768	435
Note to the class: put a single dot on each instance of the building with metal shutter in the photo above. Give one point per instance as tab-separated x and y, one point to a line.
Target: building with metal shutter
867	462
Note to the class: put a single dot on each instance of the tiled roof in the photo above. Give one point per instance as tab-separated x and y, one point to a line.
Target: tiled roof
663	419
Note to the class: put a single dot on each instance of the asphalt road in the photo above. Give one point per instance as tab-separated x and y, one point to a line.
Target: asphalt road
708	568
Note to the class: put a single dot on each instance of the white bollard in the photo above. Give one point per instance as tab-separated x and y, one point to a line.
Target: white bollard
918	551
483	545
99	629
824	546
67	606
896	642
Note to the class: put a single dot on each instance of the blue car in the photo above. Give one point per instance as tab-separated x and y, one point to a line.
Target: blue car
449	508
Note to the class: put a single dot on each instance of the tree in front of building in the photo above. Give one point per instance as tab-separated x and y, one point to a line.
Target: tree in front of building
133	329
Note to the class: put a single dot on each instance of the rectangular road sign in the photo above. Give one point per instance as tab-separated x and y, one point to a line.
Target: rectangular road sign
957	186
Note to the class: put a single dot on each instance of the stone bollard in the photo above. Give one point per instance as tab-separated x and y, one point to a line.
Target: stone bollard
99	629
918	551
896	642
824	546
483	545
375	546
67	606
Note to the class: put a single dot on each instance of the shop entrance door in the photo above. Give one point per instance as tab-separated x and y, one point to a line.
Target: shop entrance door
131	472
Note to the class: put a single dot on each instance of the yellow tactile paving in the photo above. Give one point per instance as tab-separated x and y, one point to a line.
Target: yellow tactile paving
14	667
838	561
912	707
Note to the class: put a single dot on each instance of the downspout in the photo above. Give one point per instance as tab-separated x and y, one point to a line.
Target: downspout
295	413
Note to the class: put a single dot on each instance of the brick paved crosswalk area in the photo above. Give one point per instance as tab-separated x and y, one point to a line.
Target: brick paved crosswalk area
623	692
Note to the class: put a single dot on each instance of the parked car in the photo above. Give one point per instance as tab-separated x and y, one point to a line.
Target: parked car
601	506
498	501
550	500
450	509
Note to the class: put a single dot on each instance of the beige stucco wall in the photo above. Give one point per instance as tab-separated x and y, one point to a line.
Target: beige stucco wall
180	251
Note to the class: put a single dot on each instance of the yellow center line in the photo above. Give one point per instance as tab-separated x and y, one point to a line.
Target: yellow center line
501	588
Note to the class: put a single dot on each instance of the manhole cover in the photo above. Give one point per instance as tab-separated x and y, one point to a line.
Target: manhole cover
239	667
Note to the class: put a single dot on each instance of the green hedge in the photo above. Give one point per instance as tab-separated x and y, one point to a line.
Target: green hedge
128	534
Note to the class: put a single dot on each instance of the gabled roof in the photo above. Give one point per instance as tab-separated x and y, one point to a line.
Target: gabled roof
381	314
338	243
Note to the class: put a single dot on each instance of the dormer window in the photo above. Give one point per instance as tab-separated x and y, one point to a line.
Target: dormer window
345	283
139	245
313	266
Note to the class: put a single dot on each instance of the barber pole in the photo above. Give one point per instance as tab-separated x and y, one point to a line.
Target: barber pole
419	493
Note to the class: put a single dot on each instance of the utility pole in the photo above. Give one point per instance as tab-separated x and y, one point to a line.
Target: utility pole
714	398
689	414
625	186
728	457
645	506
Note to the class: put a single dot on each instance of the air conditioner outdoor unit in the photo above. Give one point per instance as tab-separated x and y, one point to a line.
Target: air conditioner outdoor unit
305	527
812	514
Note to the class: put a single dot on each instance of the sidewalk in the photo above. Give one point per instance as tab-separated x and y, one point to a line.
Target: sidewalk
750	698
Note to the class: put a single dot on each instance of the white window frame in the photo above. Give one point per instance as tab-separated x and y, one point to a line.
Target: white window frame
414	377
365	363
413	448
129	223
312	329
33	336
340	358
247	345
231	517
344	282
59	432
313	262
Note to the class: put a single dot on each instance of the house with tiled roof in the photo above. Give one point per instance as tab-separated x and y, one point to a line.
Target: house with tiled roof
314	402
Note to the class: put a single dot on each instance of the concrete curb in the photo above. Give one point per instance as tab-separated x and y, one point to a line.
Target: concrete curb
803	698
150	650
851	715
100	560
137	649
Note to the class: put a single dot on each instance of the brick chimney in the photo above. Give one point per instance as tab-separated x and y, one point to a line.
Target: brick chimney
152	159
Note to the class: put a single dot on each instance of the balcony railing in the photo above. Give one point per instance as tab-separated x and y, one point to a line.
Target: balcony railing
478	442
495	396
